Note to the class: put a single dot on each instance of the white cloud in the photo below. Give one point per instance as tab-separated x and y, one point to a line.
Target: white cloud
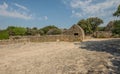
21	6
76	14
73	11
90	8
5	11
44	18
15	14
3	6
79	3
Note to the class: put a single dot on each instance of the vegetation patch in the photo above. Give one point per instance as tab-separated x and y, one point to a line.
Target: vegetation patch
4	34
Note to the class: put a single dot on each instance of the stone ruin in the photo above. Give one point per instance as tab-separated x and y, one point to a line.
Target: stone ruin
110	26
75	33
102	34
107	33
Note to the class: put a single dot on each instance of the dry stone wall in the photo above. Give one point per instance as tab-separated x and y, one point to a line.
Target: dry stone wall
46	38
2	42
50	38
75	33
102	34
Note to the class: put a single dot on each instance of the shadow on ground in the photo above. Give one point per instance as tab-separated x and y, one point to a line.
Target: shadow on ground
111	46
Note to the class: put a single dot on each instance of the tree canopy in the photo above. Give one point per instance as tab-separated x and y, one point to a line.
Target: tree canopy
51	29
90	25
116	26
12	30
117	12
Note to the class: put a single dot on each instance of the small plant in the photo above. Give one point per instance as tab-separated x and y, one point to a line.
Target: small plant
4	34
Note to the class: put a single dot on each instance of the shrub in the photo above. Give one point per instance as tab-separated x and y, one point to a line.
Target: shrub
54	32
49	28
16	30
4	34
116	29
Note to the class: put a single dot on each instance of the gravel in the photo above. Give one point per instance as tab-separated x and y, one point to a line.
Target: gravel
88	57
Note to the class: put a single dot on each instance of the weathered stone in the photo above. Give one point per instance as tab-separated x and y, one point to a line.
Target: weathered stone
75	33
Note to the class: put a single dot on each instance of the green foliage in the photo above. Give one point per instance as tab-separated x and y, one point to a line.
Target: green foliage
41	32
54	32
116	27
4	34
90	25
48	28
94	23
117	12
84	24
101	28
28	31
16	30
33	31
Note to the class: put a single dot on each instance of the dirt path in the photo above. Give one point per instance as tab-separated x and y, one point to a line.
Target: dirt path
53	58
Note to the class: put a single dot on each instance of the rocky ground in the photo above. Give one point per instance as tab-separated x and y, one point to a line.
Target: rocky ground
94	56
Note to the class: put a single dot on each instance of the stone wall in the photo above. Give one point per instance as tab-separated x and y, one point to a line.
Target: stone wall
46	38
9	41
75	33
51	38
102	34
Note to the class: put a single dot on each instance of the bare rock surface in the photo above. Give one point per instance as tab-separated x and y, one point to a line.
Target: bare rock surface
87	57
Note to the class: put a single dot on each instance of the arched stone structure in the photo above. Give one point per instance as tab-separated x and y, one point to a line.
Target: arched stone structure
76	31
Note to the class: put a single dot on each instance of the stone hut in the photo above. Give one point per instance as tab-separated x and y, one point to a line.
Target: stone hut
76	31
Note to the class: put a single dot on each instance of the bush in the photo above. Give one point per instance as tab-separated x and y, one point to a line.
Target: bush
101	28
50	28
54	32
16	30
116	29
4	34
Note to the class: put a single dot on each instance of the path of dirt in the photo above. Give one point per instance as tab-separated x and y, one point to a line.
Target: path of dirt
58	58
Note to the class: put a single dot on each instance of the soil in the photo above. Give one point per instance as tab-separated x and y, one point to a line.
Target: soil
93	56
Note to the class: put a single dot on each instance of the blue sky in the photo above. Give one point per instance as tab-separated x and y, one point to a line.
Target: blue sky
62	13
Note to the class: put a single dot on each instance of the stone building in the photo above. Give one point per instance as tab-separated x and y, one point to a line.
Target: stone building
75	31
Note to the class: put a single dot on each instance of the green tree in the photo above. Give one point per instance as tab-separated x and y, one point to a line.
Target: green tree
84	24
34	28
117	12
33	31
28	31
41	32
116	27
54	32
48	28
12	30
94	23
101	28
90	25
